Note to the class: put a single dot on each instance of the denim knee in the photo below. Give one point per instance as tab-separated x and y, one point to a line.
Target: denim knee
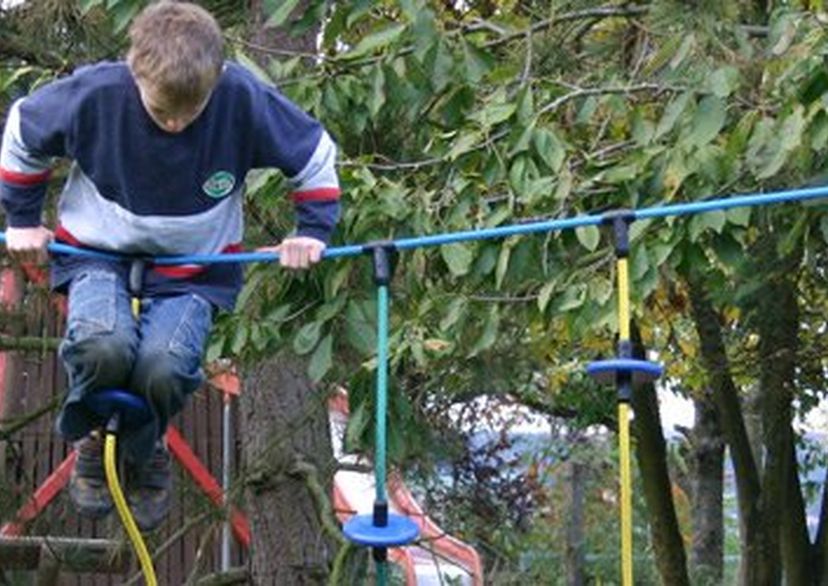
166	380
100	360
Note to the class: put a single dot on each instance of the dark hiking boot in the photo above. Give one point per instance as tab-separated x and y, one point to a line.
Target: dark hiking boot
148	489
87	482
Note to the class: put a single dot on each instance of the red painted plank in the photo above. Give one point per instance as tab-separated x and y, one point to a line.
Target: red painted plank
41	498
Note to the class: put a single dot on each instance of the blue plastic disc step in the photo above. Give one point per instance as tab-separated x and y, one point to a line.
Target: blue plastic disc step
399	531
640	371
134	409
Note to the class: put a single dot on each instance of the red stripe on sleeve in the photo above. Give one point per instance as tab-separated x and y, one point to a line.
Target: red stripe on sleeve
24	179
322	194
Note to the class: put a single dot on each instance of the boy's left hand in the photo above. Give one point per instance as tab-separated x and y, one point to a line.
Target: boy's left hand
298	252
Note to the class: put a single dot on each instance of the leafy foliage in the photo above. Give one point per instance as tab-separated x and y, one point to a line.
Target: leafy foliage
455	117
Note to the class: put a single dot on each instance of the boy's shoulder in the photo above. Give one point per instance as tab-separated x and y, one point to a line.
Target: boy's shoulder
105	73
237	77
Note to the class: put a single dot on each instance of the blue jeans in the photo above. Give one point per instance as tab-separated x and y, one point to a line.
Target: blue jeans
157	355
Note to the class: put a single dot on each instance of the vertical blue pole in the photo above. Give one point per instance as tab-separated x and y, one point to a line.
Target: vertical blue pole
381	406
380	417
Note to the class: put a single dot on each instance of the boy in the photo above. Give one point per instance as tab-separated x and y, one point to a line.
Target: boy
160	146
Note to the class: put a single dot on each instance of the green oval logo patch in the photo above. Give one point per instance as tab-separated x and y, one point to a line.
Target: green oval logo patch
219	184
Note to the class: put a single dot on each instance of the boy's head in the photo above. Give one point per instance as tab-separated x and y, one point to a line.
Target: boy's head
176	55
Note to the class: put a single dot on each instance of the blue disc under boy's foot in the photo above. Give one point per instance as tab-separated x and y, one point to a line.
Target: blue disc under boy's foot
87	482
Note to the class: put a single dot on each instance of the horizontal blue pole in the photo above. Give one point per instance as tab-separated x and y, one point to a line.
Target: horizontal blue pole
740	201
679	209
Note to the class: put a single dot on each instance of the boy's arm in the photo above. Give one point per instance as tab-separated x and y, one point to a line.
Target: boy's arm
316	200
24	175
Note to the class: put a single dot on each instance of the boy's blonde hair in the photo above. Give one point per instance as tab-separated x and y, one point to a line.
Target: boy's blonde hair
178	50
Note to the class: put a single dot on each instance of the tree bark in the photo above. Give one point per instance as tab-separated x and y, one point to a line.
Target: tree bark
707	557
753	569
575	526
651	454
783	511
287	448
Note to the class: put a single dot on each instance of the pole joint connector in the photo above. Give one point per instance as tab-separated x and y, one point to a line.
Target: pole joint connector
384	256
620	221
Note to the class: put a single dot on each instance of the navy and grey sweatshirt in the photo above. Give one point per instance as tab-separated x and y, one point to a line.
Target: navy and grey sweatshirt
138	190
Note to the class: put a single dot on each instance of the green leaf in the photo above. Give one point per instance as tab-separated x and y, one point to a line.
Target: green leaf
723	81
671	114
335	279
739	216
489	335
281	14
621	173
640	262
545	294
665	52
549	148
307	337
643	130
707	121
503	262
376	95
376	41
331	309
600	289
493	114
360	329
466	142
477	63
322	359
588	236
683	50
87	5
456	310
526	106
214	349
700	223
729	251
458	257
122	14
441	64
792	128
573	297
524	140
239	338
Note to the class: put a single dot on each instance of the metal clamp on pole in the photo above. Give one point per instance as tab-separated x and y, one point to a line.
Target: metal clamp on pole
384	260
620	221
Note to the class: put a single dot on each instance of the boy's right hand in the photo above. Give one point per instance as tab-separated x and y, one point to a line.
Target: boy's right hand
28	245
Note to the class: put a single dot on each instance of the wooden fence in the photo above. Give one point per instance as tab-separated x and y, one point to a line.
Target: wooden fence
188	544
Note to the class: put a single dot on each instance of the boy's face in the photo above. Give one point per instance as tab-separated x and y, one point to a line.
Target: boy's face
169	118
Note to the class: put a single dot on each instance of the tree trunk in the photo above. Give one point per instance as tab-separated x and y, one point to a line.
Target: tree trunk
754	563
575	526
288	463
651	454
783	511
707	557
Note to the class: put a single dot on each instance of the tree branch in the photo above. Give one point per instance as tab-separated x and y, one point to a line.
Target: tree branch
594	13
599	91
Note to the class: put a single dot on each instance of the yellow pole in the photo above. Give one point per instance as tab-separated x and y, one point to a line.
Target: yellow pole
624	430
